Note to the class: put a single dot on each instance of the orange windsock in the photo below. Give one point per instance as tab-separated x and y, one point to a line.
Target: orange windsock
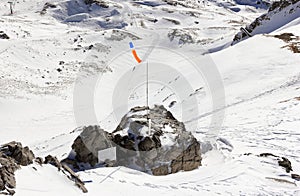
136	56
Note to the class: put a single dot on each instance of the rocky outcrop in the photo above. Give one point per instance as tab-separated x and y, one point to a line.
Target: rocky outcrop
280	13
101	3
150	140
65	169
22	156
46	7
7	177
91	140
12	155
3	35
53	161
292	41
282	161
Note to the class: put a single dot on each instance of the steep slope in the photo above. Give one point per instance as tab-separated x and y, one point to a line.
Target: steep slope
279	14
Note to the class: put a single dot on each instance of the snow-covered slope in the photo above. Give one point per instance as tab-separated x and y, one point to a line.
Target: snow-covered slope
279	14
86	47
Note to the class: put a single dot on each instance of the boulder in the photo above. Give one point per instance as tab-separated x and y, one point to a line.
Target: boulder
12	155
3	35
53	161
23	156
285	163
7	169
164	148
91	140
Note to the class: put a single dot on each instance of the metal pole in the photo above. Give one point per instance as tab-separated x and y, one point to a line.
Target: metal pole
147	87
11	7
147	94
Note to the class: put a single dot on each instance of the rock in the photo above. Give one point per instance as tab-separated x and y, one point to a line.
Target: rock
10	191
12	155
101	3
161	170
147	144
166	148
53	161
266	155
39	160
71	163
22	156
281	4
286	164
282	161
46	7
296	177
7	169
91	140
3	35
156	140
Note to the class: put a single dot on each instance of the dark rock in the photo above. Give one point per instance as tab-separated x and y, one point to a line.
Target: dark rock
53	161
161	170
46	7
166	148
285	36
266	155
91	140
23	156
39	160
147	144
296	177
12	155
281	4
286	164
10	191
100	3
70	162
188	160
156	140
3	35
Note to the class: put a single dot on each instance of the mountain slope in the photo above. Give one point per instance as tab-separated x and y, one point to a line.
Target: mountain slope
49	55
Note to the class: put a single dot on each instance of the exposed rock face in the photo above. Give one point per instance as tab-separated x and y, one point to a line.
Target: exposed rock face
3	35
293	43
280	13
46	7
53	161
7	169
11	156
295	176
163	149
286	164
90	141
22	156
281	4
65	169
101	3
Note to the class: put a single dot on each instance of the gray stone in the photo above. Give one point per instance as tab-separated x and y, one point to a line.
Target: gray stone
140	149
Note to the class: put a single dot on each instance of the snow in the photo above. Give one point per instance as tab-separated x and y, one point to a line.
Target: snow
38	104
168	139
